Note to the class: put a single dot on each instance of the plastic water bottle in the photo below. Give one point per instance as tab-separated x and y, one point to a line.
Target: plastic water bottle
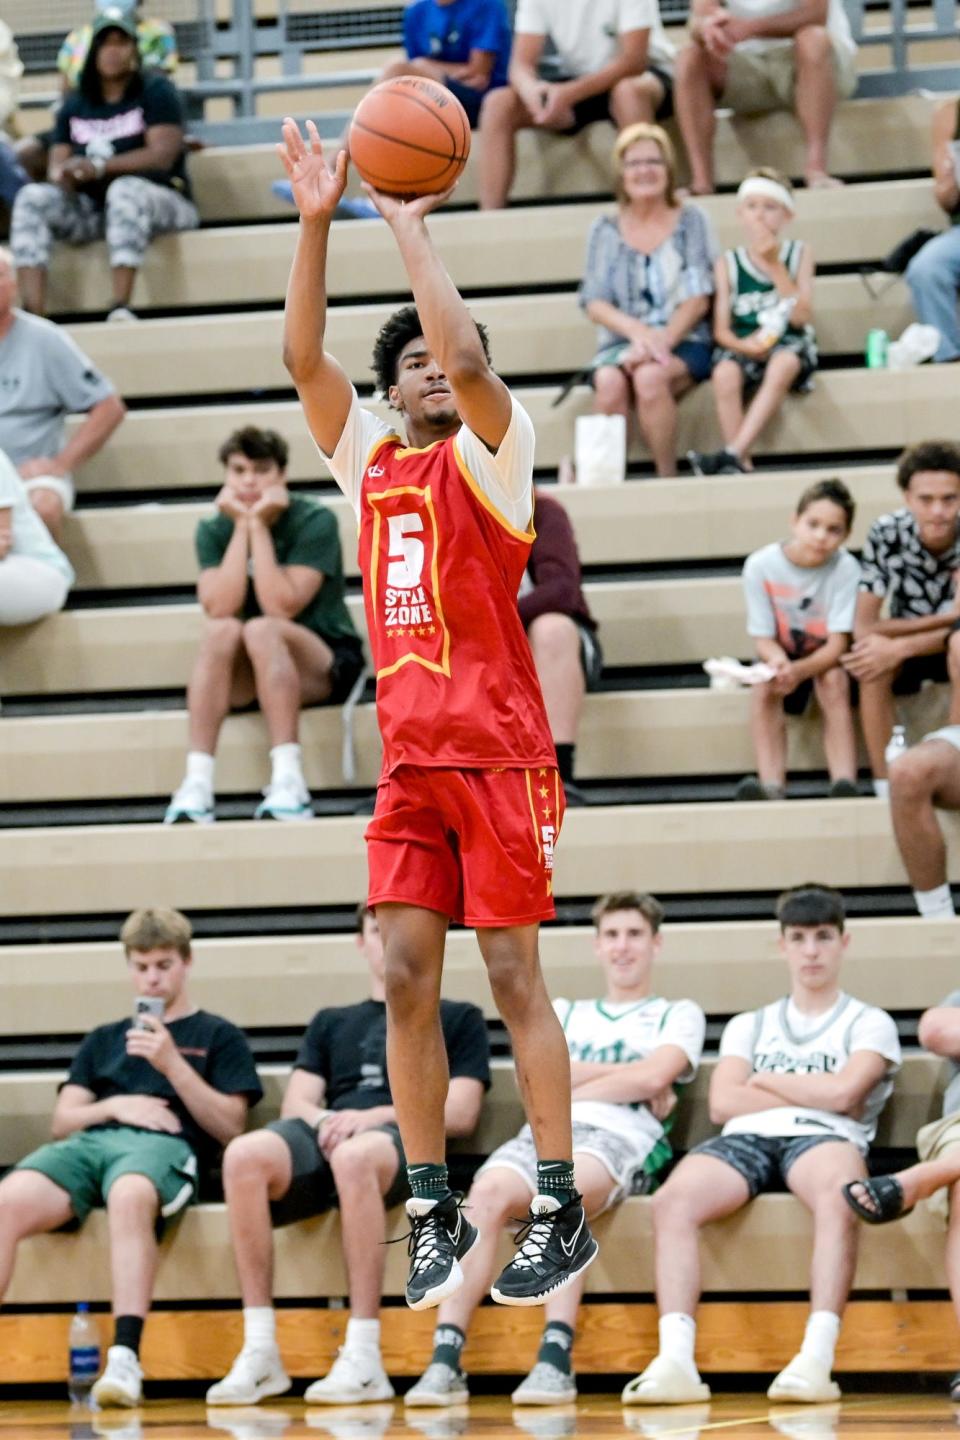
896	745
84	1354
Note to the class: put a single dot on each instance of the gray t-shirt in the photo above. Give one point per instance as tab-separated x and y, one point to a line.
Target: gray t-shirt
799	606
44	377
951	1096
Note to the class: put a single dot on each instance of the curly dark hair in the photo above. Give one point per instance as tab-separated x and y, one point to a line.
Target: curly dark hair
928	455
402	327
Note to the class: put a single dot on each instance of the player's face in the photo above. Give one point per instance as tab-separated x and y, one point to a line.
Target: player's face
249	479
820	530
371	945
626	948
160	973
814	954
933	496
422	391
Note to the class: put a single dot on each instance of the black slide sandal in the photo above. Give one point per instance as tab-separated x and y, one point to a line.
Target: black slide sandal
886	1193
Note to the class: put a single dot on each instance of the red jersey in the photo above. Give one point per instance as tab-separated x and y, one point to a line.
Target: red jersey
441	565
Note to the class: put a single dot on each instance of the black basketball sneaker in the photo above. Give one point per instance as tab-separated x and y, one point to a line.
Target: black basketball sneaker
440	1237
554	1245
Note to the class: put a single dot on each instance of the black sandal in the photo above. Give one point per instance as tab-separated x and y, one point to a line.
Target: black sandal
886	1193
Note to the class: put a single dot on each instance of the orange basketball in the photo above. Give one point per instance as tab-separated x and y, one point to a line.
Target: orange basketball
409	136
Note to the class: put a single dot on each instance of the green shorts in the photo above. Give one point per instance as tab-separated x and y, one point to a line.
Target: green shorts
87	1164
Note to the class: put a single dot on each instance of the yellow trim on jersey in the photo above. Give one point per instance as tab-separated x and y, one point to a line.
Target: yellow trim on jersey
527	536
533	817
406	450
377	445
424	492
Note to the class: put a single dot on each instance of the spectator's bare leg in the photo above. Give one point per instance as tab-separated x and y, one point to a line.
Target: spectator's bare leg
221	679
495	1197
783	367
637	98
132	1209
701	1189
555	642
122	278
256	1169
953	670
952	1256
698	81
502	114
32	280
656	388
922	778
30	1204
919	1182
611	387
768	728
727	382
839	740
413	946
817	1179
815	98
877	718
49	507
291	668
364	1167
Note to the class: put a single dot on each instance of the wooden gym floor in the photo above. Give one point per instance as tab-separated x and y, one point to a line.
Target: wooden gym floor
599	1417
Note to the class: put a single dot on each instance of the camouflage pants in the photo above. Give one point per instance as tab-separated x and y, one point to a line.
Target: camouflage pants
135	211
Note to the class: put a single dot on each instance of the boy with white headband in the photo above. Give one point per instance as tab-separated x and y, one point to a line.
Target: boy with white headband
762	315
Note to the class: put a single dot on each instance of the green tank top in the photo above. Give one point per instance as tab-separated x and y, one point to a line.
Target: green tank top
752	293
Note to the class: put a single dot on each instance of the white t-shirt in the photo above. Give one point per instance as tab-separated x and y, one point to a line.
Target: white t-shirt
782	1040
30	536
584	32
506	478
838	26
606	1033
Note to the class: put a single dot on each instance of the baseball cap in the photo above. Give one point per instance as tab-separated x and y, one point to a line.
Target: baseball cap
115	17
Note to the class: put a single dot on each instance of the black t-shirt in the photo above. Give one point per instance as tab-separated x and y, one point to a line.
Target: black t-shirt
216	1049
347	1047
101	130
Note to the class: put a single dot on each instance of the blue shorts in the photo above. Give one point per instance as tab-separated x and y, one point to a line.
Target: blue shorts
764	1161
470	99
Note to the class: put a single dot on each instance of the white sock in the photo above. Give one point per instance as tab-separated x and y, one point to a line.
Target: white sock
363	1335
820	1337
285	760
881	788
936	904
200	768
259	1327
678	1336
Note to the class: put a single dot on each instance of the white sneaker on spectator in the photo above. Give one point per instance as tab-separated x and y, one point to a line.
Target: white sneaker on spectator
254	1375
285	799
121	315
122	1380
193	801
355	1376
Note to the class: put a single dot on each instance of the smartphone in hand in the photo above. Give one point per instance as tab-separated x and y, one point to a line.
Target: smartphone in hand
147	1005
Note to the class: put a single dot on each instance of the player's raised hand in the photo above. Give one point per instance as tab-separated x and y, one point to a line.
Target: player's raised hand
395	208
316	188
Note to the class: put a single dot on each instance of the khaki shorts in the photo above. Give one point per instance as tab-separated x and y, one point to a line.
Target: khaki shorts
759	80
933	1141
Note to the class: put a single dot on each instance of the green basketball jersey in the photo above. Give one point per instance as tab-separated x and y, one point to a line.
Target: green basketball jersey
753	294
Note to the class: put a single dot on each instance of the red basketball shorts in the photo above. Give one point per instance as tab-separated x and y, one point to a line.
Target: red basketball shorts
476	845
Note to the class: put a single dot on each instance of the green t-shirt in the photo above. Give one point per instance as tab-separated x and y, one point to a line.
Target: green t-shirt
305	534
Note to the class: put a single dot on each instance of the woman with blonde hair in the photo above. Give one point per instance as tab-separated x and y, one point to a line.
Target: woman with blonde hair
647	287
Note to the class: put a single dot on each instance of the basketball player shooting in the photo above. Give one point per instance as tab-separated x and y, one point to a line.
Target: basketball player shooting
470	802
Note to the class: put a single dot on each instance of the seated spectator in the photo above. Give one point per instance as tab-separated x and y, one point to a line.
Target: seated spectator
647	287
934	272
615	64
628	1050
277	628
801	596
44	377
561	631
145	1111
761	323
798	1089
909	564
923	779
337	1144
751	56
887	1197
35	575
117	167
12	174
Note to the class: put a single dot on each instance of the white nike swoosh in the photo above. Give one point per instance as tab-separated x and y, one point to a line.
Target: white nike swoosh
569	1249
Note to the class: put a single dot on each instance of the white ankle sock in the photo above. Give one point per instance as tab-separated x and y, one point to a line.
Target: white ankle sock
259	1327
678	1336
820	1337
285	760
881	788
363	1335
935	904
200	767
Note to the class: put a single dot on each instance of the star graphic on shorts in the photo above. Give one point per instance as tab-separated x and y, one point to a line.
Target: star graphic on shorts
389	634
433	630
421	629
546	812
541	773
544	792
411	632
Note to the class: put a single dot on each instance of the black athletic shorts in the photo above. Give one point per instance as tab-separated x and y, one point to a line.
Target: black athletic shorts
918	668
763	1160
597	107
312	1190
